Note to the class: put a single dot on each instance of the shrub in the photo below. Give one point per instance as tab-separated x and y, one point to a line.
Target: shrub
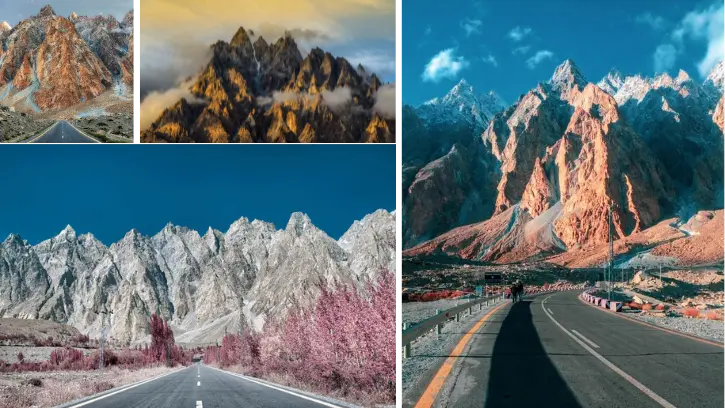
647	306
35	382
660	307
20	356
101	386
713	315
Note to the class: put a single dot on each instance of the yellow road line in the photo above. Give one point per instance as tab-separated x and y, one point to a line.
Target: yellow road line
41	135
431	392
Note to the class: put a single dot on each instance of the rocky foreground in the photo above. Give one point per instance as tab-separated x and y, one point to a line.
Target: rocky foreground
19	126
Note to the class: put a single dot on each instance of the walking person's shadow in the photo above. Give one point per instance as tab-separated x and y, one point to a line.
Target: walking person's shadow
522	375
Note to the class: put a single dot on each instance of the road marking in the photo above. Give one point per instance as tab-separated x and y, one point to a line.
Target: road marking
198	383
41	135
591	343
613	367
82	133
123	389
264	384
550	310
199	404
432	390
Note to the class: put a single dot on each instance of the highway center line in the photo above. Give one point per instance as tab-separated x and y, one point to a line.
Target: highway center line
82	133
198	383
199	404
591	343
123	389
432	390
609	364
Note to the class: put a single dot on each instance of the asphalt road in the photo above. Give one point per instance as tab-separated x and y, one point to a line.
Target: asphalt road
556	351
199	386
62	132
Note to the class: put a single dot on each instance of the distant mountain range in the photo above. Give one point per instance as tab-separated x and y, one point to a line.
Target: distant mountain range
49	62
540	177
267	92
205	285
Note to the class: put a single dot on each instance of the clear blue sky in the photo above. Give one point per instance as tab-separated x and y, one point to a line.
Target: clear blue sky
108	190
597	35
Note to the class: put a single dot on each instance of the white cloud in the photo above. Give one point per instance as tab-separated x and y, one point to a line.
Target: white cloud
445	64
664	57
490	59
377	62
708	25
156	102
518	33
537	58
471	26
521	50
337	98
385	101
656	22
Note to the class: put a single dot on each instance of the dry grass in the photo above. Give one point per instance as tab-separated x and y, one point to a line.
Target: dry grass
17	391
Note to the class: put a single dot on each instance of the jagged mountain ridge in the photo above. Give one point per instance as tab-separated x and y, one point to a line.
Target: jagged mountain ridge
446	167
254	91
568	149
51	62
219	280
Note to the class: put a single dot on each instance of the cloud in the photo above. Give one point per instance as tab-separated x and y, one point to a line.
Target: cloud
156	102
521	50
490	59
537	58
703	25
273	31
664	57
471	26
166	64
337	98
655	22
428	30
519	33
445	64
385	101
374	61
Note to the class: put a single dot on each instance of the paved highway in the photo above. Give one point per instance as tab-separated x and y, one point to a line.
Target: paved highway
200	386
556	351
62	132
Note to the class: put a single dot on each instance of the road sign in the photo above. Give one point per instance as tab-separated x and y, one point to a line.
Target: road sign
479	290
493	277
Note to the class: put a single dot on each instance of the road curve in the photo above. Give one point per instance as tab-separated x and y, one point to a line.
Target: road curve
556	351
62	132
200	386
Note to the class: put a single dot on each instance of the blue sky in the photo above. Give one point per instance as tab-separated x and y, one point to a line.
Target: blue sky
509	46
108	190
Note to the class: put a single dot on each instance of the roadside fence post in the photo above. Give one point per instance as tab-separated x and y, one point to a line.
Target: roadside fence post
438	326
406	348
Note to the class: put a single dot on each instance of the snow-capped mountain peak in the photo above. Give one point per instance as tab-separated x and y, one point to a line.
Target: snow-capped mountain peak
4	26
462	105
715	77
612	82
567	76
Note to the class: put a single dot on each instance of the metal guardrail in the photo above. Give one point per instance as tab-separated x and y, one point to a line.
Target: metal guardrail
411	333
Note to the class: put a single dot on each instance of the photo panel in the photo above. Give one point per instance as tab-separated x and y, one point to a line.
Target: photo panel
67	72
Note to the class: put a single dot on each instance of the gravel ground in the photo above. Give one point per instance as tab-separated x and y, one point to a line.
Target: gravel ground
114	128
16	126
708	329
58	387
427	350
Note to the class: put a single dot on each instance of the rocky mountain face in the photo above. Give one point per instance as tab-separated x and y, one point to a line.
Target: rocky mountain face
217	282
568	151
446	166
52	62
254	91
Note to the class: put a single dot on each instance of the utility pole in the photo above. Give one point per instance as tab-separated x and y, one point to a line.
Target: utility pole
104	329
